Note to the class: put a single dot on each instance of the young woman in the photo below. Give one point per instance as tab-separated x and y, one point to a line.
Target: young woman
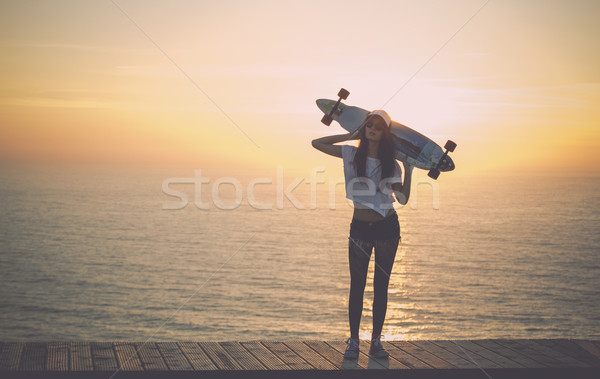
372	175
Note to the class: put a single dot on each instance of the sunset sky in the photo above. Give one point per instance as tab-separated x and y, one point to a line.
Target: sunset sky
224	85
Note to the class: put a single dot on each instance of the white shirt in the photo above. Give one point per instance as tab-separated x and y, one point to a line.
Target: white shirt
370	190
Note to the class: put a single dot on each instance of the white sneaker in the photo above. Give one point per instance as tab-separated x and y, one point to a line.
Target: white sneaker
377	349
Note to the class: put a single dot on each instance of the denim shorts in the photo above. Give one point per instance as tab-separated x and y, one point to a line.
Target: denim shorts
371	231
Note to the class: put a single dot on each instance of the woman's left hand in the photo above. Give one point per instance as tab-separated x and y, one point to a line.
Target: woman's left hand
408	167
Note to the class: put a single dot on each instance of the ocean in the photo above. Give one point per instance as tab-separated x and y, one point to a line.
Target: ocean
110	255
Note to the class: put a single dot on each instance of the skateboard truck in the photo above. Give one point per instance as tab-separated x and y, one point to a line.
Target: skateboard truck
343	95
435	172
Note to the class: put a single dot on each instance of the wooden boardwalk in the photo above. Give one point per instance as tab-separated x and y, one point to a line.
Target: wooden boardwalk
488	358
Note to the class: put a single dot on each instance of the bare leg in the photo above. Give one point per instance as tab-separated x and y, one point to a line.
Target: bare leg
359	254
385	253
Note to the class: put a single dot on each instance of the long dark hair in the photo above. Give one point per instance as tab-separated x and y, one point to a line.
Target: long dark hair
385	153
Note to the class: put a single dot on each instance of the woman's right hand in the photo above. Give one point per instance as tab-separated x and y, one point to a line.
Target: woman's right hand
355	134
326	144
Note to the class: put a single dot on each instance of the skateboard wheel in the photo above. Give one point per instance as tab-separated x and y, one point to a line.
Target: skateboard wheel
433	173
343	94
327	120
450	146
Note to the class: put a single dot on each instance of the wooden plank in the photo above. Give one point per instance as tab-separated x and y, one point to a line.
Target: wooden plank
331	354
196	356
422	354
310	355
448	356
219	356
501	360
33	357
265	356
403	356
103	356
81	356
150	356
570	348
286	355
589	346
297	355
478	360
173	356
58	356
530	352
127	357
10	356
566	360
510	353
242	356
363	359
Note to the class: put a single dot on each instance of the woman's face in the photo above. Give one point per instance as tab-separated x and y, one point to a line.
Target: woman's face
374	128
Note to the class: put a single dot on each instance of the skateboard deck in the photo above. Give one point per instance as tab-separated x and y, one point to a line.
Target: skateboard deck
411	146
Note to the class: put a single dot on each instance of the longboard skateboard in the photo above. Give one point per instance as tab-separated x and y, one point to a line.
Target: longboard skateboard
411	146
